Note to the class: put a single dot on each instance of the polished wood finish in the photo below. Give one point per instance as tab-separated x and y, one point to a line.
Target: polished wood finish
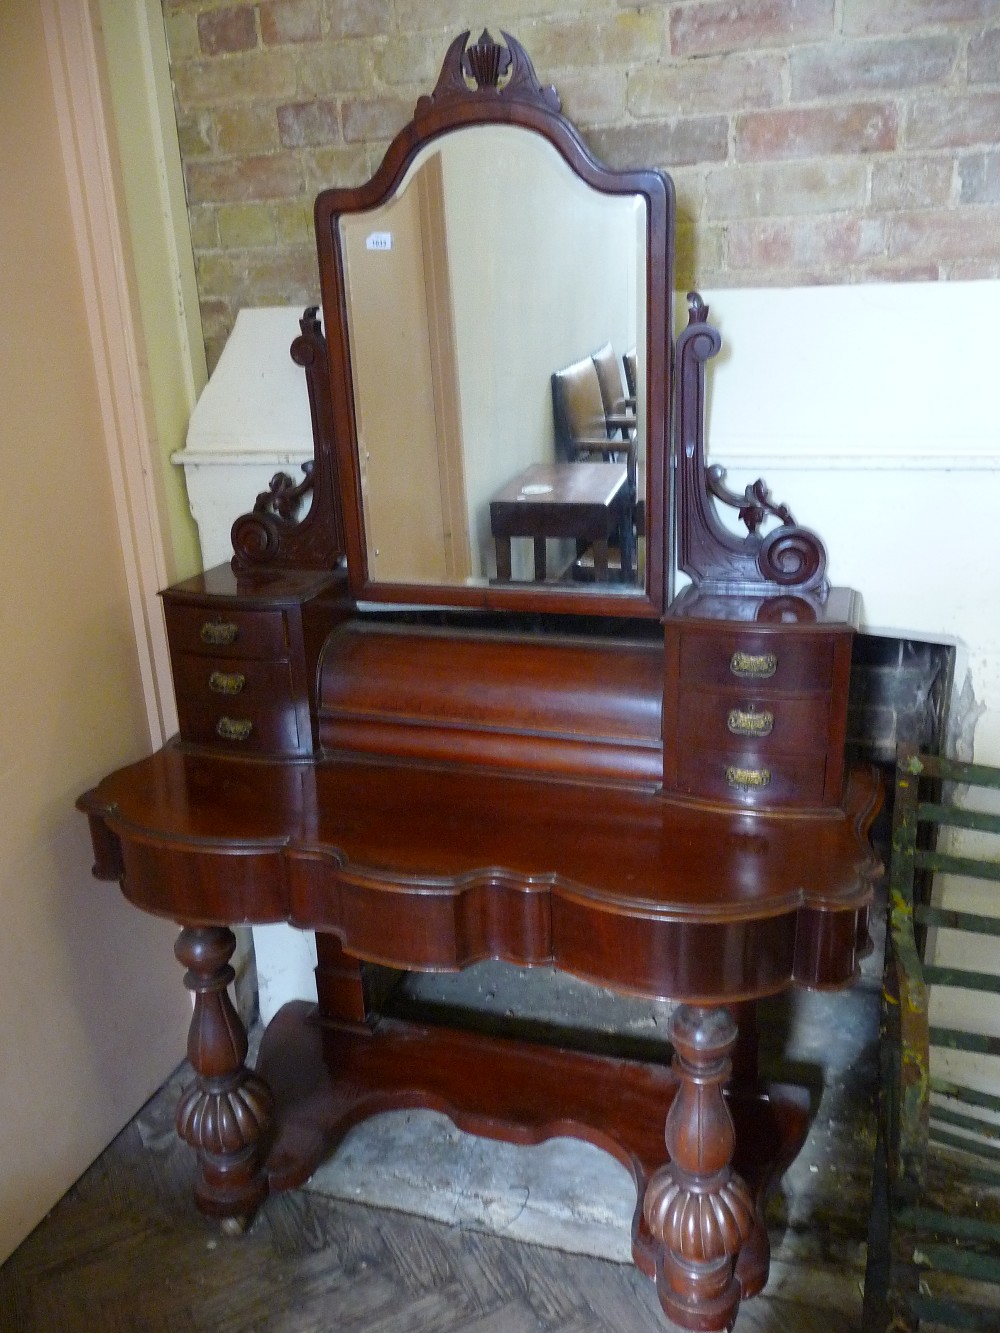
589	503
459	100
654	799
243	650
435	868
557	704
755	710
226	1113
788	556
696	1206
273	536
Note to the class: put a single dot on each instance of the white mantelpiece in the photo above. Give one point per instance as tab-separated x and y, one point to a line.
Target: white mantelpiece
251	421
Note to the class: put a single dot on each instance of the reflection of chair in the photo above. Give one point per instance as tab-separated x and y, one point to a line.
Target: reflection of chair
940	1121
578	409
619	407
583	432
628	362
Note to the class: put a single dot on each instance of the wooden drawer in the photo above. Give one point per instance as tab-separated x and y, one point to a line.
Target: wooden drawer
241	690
771	723
753	777
737	659
227	632
240	729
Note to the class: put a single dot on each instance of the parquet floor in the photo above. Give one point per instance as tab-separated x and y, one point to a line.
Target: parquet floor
126	1252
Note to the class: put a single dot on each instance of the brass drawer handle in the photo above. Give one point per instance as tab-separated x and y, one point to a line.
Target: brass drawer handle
226	682
234	728
750	722
748	779
218	633
753	666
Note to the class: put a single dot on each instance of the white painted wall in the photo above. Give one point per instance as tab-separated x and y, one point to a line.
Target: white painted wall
872	412
94	1011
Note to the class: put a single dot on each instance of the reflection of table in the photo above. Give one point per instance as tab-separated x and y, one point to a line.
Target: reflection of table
587	502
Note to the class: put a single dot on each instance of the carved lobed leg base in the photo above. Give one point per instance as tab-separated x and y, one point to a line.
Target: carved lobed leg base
226	1113
326	1077
698	1229
696	1206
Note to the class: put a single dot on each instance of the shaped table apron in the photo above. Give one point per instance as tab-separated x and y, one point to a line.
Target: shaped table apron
433	870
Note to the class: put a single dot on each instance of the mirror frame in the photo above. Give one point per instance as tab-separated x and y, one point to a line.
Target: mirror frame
489	83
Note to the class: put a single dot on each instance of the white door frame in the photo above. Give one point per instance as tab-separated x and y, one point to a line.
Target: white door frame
76	63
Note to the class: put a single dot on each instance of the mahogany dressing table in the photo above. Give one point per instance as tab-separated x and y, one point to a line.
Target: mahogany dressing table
435	767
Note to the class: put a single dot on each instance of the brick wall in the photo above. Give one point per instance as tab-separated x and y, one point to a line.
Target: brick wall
811	141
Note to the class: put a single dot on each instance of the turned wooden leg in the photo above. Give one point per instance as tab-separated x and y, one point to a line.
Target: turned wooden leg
225	1114
696	1206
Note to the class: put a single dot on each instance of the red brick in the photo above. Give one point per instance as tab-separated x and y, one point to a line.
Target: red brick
377	118
222	31
309	123
876	16
714	83
945	236
284	21
679	141
276	177
856	67
984	57
806	243
739	25
954	122
864	127
979	178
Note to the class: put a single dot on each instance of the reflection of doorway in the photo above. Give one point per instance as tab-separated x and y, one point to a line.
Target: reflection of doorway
409	431
444	369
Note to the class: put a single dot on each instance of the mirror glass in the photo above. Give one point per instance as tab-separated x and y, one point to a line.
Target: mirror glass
477	298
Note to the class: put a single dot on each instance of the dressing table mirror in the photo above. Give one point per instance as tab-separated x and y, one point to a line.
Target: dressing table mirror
443	706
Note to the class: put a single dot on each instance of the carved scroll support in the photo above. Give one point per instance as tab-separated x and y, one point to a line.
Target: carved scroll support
273	534
696	1206
788	557
226	1113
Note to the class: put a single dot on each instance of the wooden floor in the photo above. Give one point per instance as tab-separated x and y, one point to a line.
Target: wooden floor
126	1252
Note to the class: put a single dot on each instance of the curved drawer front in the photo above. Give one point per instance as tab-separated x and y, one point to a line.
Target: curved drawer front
236	703
738	659
227	633
771	723
753	777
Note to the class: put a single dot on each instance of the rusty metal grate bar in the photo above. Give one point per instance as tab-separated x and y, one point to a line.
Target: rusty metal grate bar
961	1093
955	1314
944	1116
945	863
960	978
930	813
952	920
